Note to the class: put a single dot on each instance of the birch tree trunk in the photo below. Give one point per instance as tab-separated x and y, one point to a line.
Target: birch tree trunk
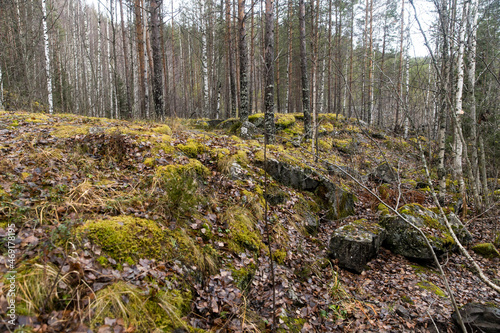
47	56
471	82
458	151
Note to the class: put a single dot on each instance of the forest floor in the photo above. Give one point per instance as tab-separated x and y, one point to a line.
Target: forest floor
118	226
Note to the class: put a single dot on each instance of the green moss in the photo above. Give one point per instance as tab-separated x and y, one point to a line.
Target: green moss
293	325
486	250
417	210
163	142
125	236
279	256
429	286
253	118
244	275
243	233
164	129
284	120
150	162
192	148
192	168
383	209
68	131
102	260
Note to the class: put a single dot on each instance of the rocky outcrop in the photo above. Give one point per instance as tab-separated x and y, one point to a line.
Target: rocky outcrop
338	201
355	244
480	318
404	239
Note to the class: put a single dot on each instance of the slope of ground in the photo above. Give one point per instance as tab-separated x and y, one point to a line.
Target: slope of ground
116	226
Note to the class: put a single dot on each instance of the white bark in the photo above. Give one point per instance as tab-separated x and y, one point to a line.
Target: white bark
47	56
458	102
472	33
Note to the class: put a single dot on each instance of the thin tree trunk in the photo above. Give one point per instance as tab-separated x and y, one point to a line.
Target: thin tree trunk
174	78
269	62
125	60
140	54
157	63
351	61
303	68
400	68
370	67
232	80
471	76
329	80
458	153
244	111
47	57
289	60
277	33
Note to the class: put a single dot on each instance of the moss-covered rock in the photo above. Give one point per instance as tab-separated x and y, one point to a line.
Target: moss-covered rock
356	243
125	236
192	148
284	121
404	239
486	250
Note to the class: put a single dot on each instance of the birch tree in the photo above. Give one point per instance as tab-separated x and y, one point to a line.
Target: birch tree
47	56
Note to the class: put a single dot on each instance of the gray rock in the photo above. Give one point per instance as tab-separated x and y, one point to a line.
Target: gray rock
236	171
356	243
384	173
403	239
311	223
480	318
96	130
248	130
339	202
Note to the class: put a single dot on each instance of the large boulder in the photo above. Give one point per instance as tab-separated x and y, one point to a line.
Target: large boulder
339	202
356	243
480	318
404	239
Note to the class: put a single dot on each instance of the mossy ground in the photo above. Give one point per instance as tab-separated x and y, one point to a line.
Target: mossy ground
165	199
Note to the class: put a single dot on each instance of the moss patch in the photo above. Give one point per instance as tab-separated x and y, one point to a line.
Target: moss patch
243	234
164	129
192	148
429	286
486	250
126	236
